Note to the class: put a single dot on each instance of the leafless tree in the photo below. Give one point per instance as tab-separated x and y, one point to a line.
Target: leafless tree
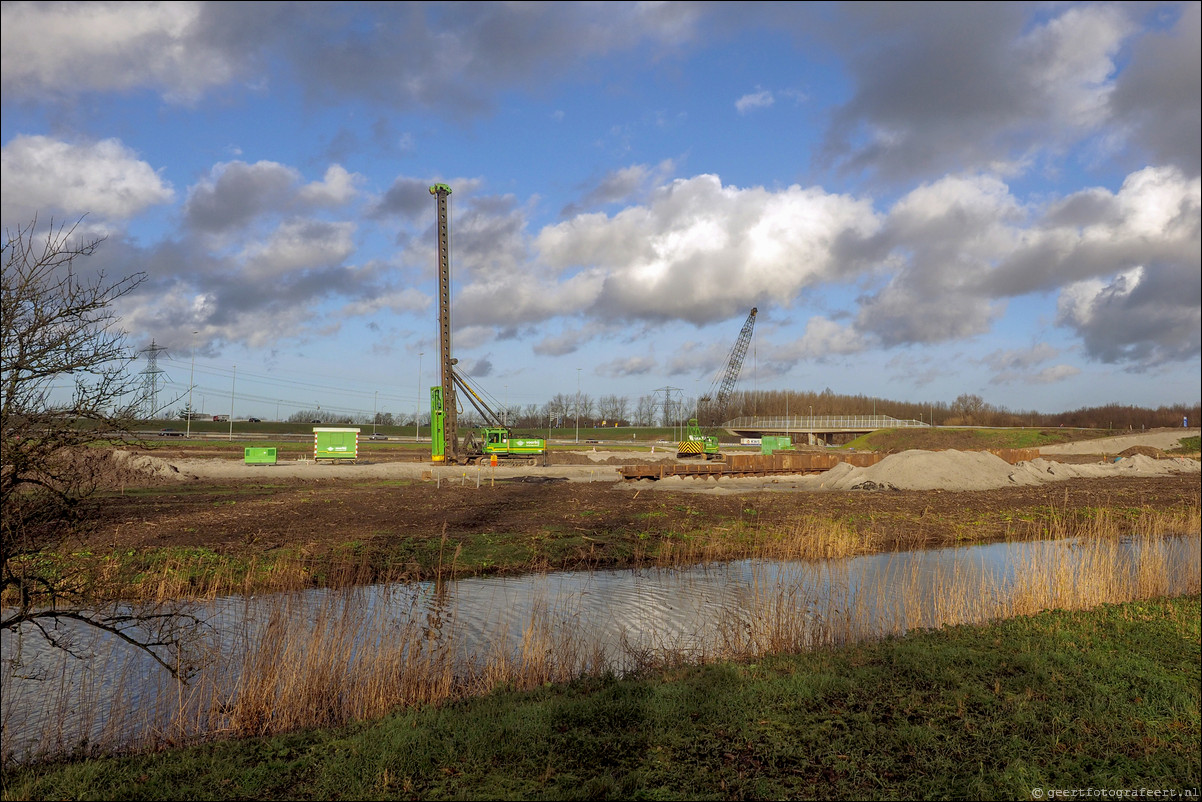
611	408
65	384
560	407
645	409
586	409
968	409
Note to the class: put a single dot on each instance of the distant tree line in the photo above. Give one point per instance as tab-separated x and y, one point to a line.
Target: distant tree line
670	409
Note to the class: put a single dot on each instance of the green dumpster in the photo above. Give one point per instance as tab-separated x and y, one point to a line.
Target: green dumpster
260	456
770	443
336	444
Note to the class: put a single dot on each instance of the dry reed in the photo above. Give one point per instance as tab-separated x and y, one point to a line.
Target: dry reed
352	653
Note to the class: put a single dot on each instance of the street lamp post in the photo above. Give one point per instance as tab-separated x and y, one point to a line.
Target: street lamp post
233	382
577	406
375	411
191	383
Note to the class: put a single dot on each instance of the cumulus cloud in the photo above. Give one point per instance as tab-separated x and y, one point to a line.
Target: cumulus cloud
45	176
1138	318
1157	98
1054	374
272	274
629	183
1021	359
338	187
700	251
822	338
1125	265
936	244
236	194
298	245
397	300
640	365
1026	366
937	266
407	198
966	86
179	49
564	342
1152	219
450	61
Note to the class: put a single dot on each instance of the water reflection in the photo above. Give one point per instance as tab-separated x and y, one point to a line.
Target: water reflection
570	621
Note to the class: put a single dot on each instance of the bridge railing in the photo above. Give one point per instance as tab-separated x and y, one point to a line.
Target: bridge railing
819	423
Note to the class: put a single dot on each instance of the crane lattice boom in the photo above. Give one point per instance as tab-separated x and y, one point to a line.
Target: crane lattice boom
715	408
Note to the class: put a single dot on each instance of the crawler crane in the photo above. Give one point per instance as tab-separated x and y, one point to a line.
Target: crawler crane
711	408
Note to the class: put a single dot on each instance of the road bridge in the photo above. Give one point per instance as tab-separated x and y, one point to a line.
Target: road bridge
815	428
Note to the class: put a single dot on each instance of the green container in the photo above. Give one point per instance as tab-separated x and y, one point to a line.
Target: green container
260	456
770	443
336	444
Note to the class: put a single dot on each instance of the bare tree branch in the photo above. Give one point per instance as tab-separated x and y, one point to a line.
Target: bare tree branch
64	383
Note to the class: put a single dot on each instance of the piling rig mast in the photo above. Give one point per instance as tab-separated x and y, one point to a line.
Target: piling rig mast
448	449
495	441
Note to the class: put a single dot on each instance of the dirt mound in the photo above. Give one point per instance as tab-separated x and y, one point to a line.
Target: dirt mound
125	467
1146	451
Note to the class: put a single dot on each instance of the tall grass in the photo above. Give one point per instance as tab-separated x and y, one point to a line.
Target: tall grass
354	652
170	575
1060	523
808	538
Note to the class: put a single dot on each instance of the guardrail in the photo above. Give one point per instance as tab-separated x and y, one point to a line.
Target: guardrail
821	423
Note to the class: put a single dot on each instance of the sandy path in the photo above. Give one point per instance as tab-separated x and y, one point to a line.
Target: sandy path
1160	438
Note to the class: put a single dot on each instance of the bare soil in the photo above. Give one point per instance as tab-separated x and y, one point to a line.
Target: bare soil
316	517
395	513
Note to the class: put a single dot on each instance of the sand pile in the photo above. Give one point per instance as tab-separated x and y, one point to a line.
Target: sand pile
147	467
979	470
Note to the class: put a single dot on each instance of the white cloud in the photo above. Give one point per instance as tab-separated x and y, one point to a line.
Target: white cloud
1022	366
963	87
936	244
639	365
1136	317
1153	218
103	179
701	251
109	46
397	300
824	338
1054	374
761	99
297	246
236	194
1025	358
1157	101
337	187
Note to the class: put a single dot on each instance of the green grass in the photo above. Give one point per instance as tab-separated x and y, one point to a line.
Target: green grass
1188	445
1104	699
958	438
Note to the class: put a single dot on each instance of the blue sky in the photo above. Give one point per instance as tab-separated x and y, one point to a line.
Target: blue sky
921	200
